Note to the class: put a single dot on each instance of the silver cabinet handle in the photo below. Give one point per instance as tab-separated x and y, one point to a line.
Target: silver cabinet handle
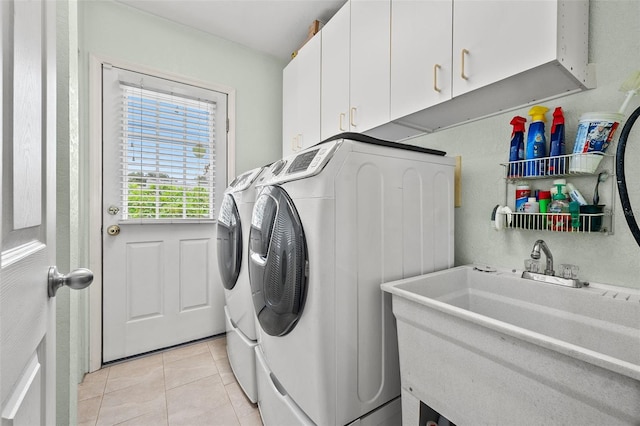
77	280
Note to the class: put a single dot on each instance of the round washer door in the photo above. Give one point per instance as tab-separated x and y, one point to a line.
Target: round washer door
229	238
277	262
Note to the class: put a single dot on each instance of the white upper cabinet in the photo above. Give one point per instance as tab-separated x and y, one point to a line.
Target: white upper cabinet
355	68
370	61
494	39
503	54
421	34
335	74
301	98
397	68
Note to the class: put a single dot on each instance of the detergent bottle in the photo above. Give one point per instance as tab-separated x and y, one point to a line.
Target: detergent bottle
557	165
559	218
516	152
536	142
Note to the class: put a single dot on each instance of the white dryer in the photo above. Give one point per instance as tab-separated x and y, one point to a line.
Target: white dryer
232	241
339	219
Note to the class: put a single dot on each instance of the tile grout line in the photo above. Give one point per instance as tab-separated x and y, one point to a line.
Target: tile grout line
164	380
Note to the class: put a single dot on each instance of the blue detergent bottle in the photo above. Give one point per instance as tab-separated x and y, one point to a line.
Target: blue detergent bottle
557	145
516	151
536	142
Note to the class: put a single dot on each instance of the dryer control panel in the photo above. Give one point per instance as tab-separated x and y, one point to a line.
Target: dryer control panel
299	166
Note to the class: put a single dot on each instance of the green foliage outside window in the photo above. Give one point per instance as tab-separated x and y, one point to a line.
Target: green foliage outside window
167	201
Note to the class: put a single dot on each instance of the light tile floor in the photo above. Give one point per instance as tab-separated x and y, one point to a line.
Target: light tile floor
192	385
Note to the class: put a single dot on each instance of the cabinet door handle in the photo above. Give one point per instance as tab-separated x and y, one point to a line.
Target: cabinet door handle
298	145
352	116
462	74
436	67
294	143
340	119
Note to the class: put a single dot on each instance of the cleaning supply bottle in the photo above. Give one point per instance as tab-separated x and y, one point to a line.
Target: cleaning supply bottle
574	210
544	199
516	151
536	142
559	218
557	146
576	195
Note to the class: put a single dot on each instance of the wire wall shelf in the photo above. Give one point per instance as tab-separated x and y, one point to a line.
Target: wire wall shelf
552	167
560	222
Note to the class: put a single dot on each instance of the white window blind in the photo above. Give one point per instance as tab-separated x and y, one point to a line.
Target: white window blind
167	155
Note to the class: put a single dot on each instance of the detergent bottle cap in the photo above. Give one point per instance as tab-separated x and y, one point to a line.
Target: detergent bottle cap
518	123
558	118
537	113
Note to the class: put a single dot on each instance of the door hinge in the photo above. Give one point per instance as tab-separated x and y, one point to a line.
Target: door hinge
227	125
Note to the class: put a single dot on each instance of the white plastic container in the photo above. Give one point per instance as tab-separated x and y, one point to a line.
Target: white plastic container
576	195
585	163
595	131
532	206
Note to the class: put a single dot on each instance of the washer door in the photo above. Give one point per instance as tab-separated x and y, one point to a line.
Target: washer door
229	242
277	262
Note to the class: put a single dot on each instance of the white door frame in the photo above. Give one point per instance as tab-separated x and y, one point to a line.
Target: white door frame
95	179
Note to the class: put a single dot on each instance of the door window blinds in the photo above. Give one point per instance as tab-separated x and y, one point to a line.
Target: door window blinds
167	156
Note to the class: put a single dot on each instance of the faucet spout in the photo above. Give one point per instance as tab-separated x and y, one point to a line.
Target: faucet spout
535	254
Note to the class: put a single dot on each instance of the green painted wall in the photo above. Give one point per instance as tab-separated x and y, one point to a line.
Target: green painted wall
614	48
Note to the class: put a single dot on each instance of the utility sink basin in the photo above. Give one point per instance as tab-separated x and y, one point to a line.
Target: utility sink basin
485	346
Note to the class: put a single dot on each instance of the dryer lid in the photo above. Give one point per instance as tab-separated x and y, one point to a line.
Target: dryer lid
229	242
277	262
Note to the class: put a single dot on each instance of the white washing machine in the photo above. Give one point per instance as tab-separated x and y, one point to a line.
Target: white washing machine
339	219
232	242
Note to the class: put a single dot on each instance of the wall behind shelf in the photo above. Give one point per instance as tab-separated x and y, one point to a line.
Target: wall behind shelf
614	43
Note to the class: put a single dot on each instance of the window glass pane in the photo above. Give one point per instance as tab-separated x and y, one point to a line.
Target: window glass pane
167	155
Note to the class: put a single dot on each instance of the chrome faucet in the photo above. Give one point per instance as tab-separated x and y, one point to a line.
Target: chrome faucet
535	254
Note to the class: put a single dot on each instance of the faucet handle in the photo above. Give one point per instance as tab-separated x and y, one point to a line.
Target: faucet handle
568	271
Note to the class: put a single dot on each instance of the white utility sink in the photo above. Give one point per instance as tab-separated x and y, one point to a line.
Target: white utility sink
482	346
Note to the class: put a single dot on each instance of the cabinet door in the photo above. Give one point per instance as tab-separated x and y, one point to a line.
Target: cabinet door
301	99
289	107
309	93
335	74
370	62
421	33
495	39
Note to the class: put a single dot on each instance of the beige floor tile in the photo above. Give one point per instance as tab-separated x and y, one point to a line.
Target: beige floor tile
131	402
185	352
225	371
88	410
218	348
154	418
201	402
148	369
220	416
97	376
190	369
241	404
89	390
251	420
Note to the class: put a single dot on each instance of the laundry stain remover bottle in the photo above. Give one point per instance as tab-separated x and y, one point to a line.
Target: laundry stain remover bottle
536	142
516	151
556	145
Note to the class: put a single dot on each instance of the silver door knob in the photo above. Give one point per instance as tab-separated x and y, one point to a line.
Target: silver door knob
77	280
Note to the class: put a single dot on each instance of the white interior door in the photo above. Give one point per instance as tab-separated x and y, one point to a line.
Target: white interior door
27	314
159	264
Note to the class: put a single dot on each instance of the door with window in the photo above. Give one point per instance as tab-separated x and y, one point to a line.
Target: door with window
164	157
